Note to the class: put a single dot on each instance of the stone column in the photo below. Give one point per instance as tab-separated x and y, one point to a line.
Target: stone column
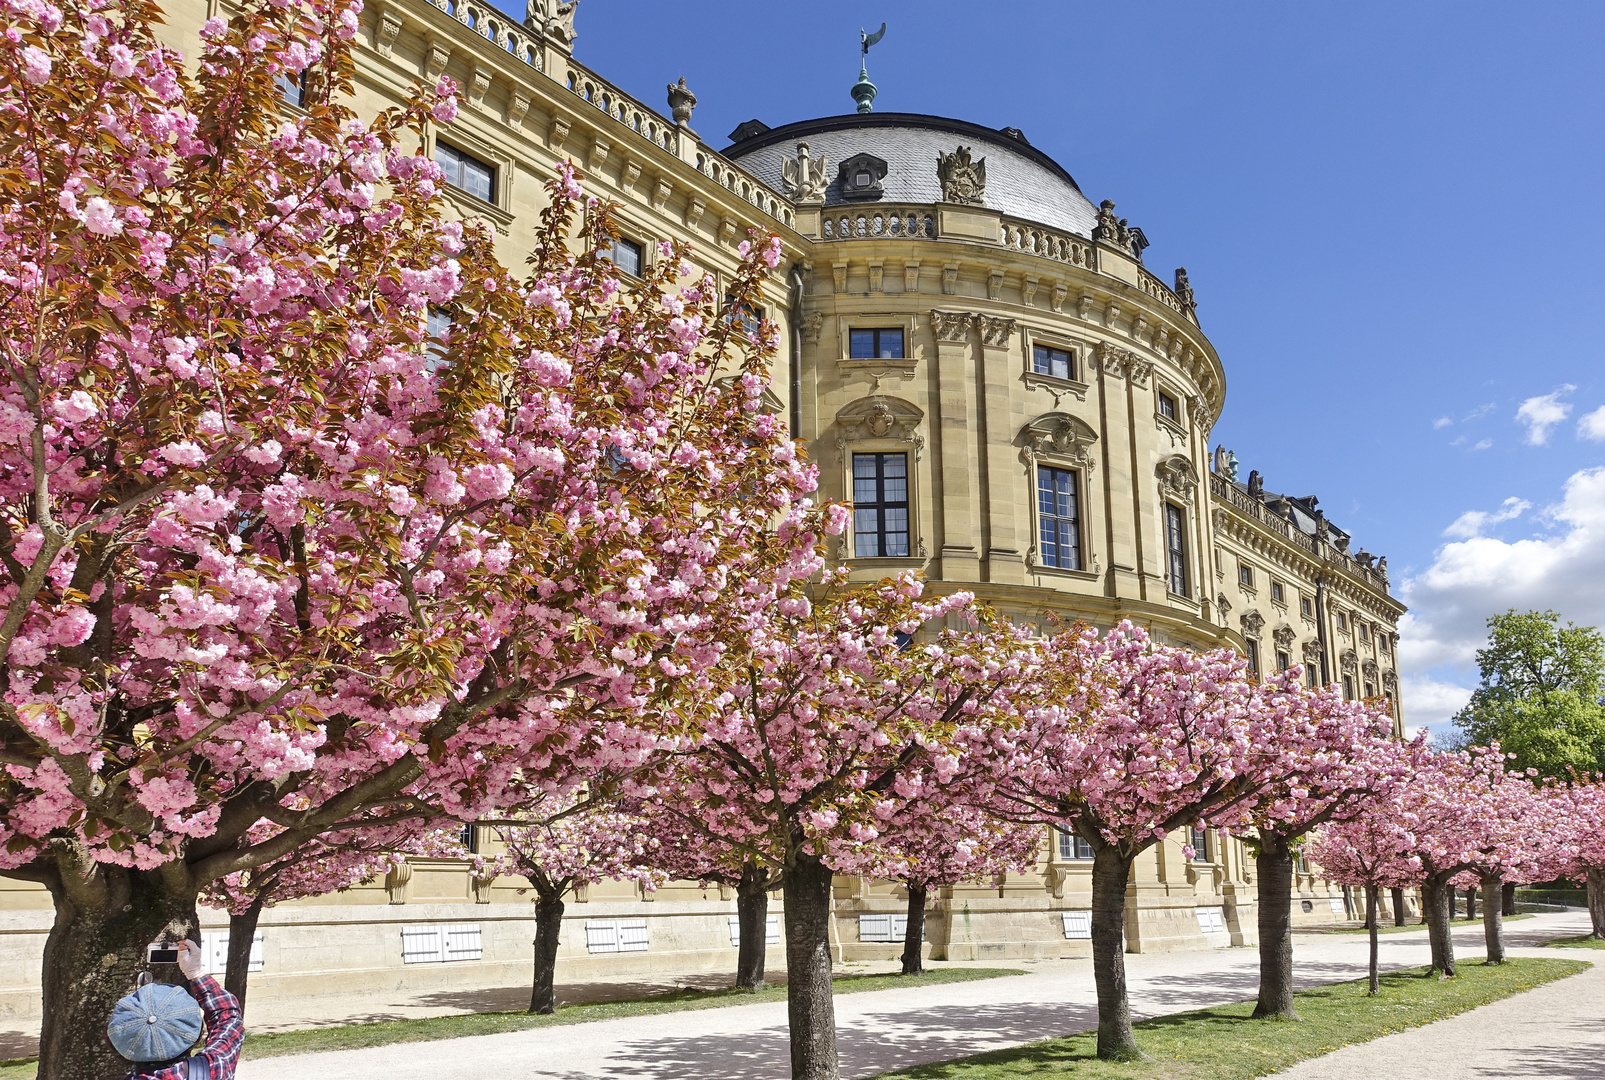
954	492
1005	539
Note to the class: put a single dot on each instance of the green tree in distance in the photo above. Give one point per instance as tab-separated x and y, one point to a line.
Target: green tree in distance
1541	693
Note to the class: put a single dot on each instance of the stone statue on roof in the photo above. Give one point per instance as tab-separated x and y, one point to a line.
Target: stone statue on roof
963	179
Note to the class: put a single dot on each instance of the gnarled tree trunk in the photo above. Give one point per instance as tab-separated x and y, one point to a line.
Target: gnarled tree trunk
1398	907
1493	926
914	935
1110	872
752	919
1273	865
1437	902
1596	900
106	918
548	925
810	1008
1373	986
241	934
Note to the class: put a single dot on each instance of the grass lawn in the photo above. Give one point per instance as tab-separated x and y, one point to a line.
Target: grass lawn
355	1036
1224	1044
1584	942
1411	925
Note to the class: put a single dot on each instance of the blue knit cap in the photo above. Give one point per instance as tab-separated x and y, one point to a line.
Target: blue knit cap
154	1023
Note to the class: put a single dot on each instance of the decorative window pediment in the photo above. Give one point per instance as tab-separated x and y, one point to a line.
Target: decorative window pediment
1252	621
1177	478
1284	636
860	177
1348	661
880	417
1312	652
1059	436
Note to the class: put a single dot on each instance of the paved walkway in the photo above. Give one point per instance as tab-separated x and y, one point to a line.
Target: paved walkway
1556	1032
896	1028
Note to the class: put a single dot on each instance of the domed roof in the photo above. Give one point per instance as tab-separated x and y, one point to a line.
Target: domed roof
1021	180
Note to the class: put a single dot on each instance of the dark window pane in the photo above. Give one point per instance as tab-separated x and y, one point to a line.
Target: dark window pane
880	502
626	255
1050	361
861	344
889	345
878	344
1176	548
465	171
1058	518
1167	406
290	88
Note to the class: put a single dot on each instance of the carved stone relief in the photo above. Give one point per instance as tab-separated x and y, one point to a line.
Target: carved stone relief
1252	621
963	179
1059	436
880	417
812	322
1177	478
804	178
994	331
1224	606
1349	661
1122	363
1284	636
951	326
1312	652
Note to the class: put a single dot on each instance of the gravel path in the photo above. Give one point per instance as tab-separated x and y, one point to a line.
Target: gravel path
890	1029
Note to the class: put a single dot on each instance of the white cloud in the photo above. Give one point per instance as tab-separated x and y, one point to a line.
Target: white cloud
1429	702
1483	444
1472	522
1542	413
1441	422
1481	411
1480	576
1592	426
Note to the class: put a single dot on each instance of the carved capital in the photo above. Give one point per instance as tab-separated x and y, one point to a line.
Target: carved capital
995	331
951	326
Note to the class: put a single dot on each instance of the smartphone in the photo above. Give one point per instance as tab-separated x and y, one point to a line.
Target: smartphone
163	952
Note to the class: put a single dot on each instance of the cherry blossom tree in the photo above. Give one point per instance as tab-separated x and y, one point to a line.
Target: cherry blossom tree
1317	759
967	845
1128	741
1578	808
1369	851
333	862
271	553
571	844
830	720
685	853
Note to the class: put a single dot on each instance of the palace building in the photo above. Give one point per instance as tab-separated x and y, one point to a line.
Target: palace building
977	356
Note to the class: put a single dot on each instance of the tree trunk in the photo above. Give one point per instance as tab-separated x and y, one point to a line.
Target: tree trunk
914	935
1348	903
1437	902
1507	899
1110	872
810	1008
1471	904
1273	865
241	933
1398	907
752	917
1493	926
1373	987
548	925
1596	900
96	949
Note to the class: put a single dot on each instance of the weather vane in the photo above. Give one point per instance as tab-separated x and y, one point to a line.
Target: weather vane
863	90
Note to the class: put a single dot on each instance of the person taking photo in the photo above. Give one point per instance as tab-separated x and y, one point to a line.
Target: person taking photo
156	1028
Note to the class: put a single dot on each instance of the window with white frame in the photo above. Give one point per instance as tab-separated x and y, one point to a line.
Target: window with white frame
616	935
1059	517
880	506
466	172
440	943
882	927
626	254
1072	846
771	930
1077	925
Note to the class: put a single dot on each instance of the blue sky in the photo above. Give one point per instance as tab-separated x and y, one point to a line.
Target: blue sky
1393	215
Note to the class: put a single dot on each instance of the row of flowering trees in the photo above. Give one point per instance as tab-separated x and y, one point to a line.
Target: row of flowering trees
288	581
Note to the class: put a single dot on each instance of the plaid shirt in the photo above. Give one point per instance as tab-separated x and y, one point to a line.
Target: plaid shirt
225	1031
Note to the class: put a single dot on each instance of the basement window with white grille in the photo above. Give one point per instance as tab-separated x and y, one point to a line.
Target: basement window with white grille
882	927
771	930
616	935
1078	925
214	950
440	943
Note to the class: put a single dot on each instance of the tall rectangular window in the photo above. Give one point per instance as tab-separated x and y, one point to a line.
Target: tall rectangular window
1199	839
1167	406
1253	656
1305	608
1059	517
1245	574
1348	688
1312	675
291	87
1283	661
1072	846
1278	594
466	172
880	505
884	343
626	255
1046	360
1176	547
